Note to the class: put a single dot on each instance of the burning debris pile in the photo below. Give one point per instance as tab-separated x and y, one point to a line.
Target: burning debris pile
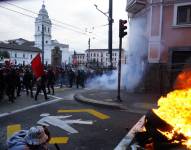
169	126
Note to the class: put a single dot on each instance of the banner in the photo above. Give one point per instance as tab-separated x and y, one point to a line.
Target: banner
37	66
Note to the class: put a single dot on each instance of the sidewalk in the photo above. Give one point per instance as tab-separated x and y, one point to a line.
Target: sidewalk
133	102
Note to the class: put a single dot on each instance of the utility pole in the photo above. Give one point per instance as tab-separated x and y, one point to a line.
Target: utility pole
122	33
89	50
110	20
110	31
42	44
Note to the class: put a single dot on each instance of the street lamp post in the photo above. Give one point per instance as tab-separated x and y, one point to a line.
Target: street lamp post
110	31
89	50
110	20
42	44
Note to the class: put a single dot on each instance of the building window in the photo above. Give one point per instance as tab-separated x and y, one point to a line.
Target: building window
31	56
23	55
94	54
46	42
48	30
15	55
38	28
184	14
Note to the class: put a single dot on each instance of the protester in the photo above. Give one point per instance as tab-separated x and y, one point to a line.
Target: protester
50	81
28	82
62	77
71	77
36	138
2	84
41	85
18	81
10	80
80	78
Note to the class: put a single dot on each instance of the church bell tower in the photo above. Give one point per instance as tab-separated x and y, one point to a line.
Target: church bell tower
42	22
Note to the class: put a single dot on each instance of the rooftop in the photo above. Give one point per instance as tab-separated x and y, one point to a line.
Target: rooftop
19	47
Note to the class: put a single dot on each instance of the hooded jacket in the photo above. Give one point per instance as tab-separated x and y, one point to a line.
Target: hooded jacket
17	141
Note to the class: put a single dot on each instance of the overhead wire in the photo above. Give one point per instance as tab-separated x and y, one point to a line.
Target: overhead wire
63	27
37	14
66	24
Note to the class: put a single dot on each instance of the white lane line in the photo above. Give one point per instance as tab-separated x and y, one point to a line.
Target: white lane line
32	106
126	141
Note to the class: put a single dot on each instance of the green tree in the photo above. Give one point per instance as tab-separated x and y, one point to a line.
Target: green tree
4	54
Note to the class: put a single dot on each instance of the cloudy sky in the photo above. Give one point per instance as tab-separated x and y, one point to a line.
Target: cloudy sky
80	15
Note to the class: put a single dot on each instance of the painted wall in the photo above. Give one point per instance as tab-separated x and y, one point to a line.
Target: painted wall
173	36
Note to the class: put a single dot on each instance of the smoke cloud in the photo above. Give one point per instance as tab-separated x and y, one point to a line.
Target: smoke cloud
107	81
133	71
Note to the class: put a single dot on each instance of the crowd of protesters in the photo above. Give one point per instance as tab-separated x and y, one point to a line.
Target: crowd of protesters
14	79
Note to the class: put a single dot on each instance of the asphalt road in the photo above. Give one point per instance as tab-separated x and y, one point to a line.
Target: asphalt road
98	129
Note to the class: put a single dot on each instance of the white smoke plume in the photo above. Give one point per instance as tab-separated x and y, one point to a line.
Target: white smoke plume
133	71
107	80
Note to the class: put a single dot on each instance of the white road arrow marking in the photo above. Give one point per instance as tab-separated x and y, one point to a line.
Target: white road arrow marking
61	122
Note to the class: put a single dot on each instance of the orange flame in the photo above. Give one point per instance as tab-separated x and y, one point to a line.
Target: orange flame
183	80
175	109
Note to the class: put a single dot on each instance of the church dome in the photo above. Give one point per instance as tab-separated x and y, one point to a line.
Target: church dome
43	11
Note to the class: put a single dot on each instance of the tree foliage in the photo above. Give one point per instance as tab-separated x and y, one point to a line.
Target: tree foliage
4	54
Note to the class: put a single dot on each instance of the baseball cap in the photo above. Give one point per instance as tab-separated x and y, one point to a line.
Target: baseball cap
36	136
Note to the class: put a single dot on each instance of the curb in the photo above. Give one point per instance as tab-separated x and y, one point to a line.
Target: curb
129	137
81	98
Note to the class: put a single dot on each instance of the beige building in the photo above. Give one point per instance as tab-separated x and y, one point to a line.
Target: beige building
101	56
81	58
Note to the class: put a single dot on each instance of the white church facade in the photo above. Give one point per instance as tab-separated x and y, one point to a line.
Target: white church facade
43	28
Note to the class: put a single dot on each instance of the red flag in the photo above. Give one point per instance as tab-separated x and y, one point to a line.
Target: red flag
74	61
37	66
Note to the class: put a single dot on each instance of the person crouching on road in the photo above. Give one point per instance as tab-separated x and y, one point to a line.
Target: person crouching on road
36	138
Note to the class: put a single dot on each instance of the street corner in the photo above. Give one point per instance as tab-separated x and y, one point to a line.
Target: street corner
102	103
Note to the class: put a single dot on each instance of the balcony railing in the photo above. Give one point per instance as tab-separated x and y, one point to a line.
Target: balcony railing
134	6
